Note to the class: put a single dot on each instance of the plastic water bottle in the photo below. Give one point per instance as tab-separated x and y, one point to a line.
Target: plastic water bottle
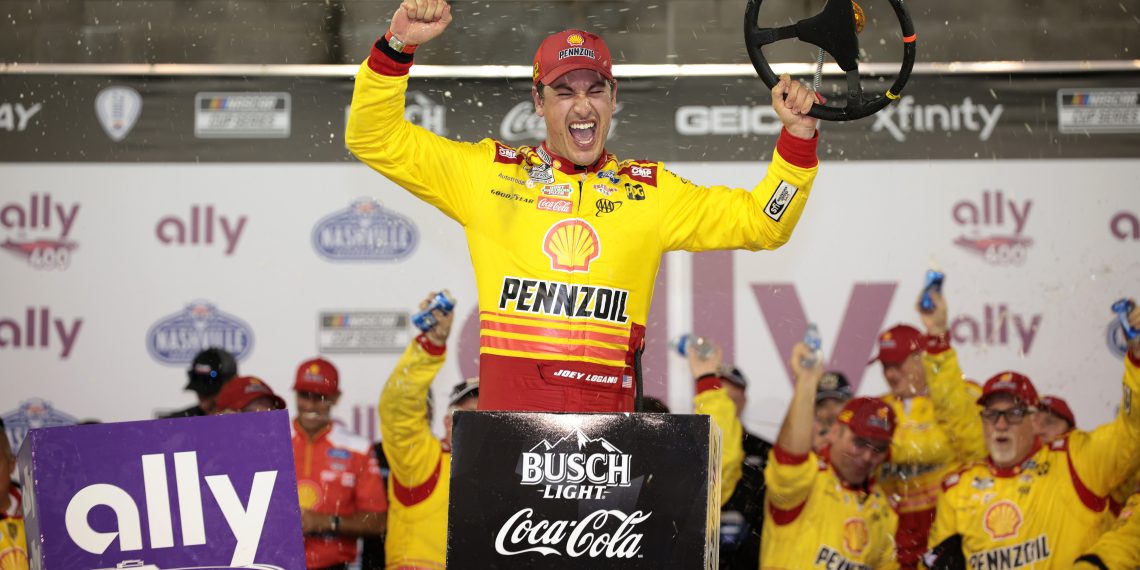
443	301
690	341
815	343
1122	308
934	280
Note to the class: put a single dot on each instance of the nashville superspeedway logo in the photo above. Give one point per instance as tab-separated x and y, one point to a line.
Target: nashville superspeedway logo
575	467
563	299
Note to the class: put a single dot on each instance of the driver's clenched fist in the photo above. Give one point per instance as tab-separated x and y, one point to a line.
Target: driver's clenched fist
792	100
418	21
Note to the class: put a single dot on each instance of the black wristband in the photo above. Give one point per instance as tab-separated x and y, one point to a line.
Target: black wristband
397	56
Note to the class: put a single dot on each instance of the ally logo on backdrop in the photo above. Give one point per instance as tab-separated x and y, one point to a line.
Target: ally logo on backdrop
176	338
365	231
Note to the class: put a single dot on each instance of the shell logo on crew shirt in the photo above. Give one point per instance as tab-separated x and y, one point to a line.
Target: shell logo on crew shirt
855	536
571	245
1003	520
308	494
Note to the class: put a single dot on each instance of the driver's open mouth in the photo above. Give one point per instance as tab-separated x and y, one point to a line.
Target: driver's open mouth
583	133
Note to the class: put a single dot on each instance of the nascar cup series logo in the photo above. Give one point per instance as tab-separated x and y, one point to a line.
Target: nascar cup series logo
365	231
572	245
580	468
200	325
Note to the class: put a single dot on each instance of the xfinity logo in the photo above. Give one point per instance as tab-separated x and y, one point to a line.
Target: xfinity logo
575	467
904	117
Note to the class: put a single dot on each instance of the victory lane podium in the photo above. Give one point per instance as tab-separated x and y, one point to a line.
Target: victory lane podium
216	492
598	491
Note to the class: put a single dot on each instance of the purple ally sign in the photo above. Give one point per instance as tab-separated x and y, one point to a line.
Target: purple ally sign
213	492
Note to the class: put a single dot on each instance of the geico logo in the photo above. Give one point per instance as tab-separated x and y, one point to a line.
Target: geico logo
574	468
727	120
244	521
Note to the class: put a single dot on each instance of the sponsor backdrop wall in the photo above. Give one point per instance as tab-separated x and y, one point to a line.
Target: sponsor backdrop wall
144	218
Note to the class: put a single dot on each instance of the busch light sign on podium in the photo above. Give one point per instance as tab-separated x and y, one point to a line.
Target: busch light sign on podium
215	492
597	491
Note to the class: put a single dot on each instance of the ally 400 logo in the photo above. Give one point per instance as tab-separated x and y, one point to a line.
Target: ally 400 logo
177	337
38	230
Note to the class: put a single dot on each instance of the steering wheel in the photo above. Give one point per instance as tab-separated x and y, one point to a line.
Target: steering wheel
834	31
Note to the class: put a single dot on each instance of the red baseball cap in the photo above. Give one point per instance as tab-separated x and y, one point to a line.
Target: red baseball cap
1059	408
243	390
569	50
871	418
318	376
898	343
1013	383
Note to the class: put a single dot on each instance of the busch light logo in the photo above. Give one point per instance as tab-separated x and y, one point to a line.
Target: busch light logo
177	338
118	108
422	111
38	230
522	124
365	231
994	227
575	467
1114	337
33	413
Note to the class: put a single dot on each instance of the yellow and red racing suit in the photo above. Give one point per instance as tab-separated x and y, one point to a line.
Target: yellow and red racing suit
565	256
337	474
13	542
1048	510
814	520
419	463
1119	547
926	447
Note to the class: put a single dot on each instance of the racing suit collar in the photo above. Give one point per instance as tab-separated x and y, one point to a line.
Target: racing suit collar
1017	468
568	167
